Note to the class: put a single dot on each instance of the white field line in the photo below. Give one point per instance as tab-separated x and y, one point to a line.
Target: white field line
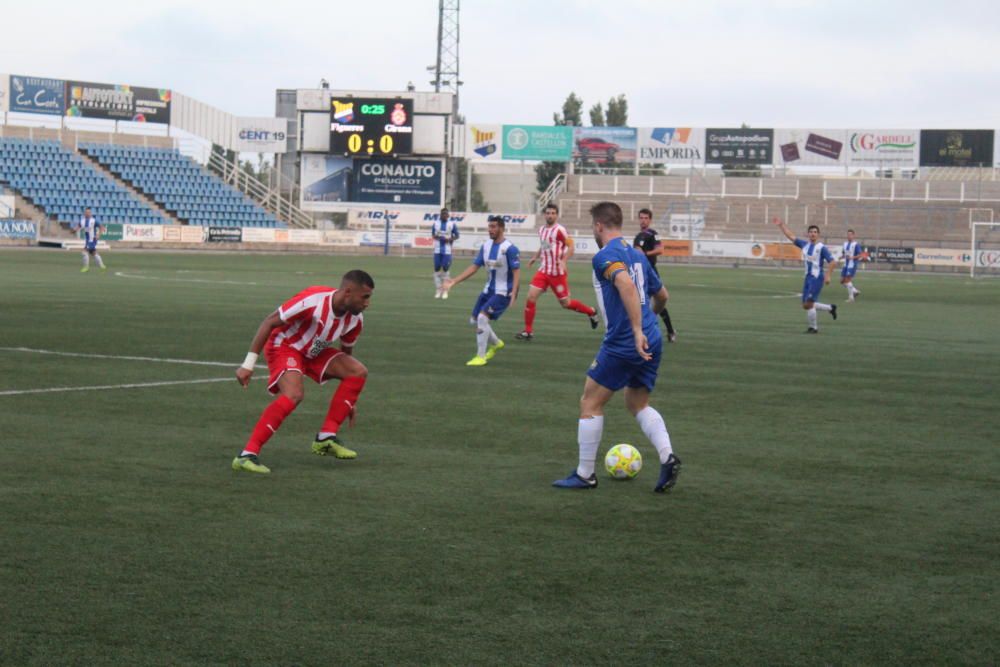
51	390
85	355
122	274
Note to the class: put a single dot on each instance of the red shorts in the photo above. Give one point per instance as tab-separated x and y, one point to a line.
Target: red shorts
282	359
559	284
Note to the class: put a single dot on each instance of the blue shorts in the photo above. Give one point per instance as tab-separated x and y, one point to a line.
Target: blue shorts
492	305
90	246
848	272
811	288
442	262
617	372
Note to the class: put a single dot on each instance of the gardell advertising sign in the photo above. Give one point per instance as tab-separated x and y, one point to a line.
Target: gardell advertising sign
739	146
883	148
32	94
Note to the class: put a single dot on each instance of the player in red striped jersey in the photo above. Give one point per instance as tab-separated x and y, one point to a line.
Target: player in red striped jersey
298	339
555	249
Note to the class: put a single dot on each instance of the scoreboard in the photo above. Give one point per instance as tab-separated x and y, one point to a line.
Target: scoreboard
371	126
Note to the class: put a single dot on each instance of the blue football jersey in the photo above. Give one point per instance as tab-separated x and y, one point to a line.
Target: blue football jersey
612	259
500	260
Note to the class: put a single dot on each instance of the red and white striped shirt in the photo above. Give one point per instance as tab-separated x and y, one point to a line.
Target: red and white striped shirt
553	238
310	325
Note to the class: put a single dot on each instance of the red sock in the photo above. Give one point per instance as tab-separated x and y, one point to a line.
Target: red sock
581	307
342	403
269	422
529	316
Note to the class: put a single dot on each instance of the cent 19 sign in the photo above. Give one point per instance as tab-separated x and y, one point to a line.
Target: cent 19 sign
366	126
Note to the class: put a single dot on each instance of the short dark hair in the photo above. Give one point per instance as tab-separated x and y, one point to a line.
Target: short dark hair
552	206
646	211
851	230
497	219
607	213
444	209
812	227
358	277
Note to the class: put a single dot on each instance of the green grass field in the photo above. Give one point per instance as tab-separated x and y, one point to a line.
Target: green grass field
839	502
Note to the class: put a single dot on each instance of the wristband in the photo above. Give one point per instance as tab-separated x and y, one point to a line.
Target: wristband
250	361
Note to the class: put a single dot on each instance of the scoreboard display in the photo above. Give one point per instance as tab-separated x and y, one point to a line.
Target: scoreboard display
369	126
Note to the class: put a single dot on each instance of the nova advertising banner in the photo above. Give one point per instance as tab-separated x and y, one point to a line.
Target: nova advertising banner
260	135
812	148
883	148
739	146
110	101
390	181
956	148
32	94
17	229
604	145
671	145
483	142
538	142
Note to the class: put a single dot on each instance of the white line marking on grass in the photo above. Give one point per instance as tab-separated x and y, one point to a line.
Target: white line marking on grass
86	355
135	276
166	383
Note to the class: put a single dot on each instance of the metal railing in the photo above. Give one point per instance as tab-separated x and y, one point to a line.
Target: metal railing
270	197
556	188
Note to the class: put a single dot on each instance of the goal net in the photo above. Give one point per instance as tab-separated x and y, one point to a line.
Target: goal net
985	243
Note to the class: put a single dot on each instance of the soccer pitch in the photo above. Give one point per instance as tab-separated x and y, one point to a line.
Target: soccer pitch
838	504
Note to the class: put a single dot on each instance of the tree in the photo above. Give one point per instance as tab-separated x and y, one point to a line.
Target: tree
617	115
572	110
457	202
597	115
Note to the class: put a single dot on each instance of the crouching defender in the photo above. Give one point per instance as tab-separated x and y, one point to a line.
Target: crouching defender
298	339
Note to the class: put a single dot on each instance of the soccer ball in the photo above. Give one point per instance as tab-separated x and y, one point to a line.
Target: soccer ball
623	461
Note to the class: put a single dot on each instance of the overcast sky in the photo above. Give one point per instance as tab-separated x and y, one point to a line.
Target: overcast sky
781	63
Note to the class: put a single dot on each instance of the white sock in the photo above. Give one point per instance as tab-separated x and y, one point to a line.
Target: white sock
324	434
247	451
588	435
483	331
86	259
824	307
100	262
437	280
652	425
854	290
811	317
850	290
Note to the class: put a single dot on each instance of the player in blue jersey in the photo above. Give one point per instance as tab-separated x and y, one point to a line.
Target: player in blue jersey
629	356
444	231
90	232
503	275
815	255
852	255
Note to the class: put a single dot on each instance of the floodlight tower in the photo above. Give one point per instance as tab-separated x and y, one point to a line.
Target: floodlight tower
446	68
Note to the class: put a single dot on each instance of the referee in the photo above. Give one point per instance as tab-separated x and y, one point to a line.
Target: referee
647	242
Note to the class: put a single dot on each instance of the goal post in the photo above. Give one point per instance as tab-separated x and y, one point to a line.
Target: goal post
984	242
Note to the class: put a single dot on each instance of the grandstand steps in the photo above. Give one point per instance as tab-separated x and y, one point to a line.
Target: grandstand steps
138	194
25	210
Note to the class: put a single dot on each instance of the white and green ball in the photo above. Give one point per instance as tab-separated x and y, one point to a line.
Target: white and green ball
623	461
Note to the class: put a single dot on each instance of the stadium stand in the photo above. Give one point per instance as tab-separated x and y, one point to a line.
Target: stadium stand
180	185
929	212
61	184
